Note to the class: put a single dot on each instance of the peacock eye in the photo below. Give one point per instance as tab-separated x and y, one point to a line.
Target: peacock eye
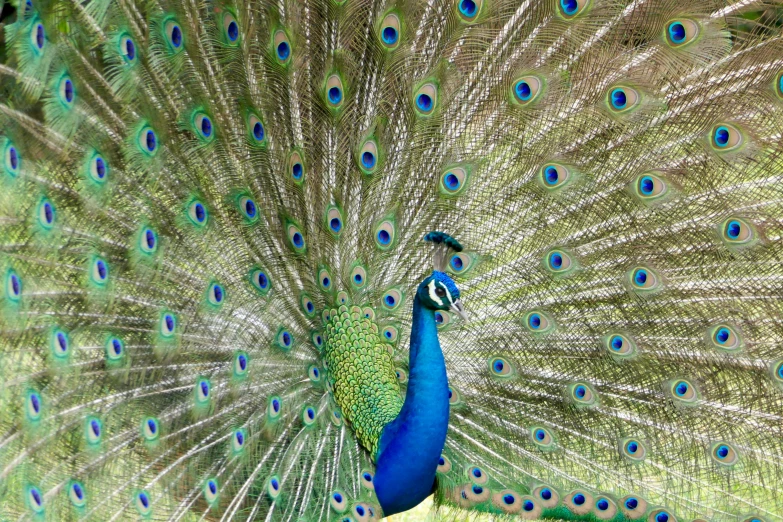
440	292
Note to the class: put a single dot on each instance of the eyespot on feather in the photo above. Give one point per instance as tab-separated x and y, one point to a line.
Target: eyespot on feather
425	99
622	99
282	47
542	438
683	391
469	10
368	157
500	367
724	454
604	508
389	31
681	32
334	91
661	515
174	36
547	496
724	337
296	167
650	187
231	32
385	234
633	449
579	502
737	233
726	137
570	9
526	90
554	176
633	506
643	280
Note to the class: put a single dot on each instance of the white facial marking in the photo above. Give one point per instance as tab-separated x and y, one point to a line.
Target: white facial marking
433	295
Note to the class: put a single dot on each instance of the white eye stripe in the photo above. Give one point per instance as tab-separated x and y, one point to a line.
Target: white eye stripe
448	294
433	295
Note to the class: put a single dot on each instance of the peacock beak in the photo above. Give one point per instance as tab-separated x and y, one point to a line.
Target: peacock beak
459	310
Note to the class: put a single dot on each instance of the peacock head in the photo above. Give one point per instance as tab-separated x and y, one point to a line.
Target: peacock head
439	292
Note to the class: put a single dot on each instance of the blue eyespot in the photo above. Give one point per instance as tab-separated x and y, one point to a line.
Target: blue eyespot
67	90
282	46
733	229
204	125
426	98
115	348
233	31
46	214
501	367
468	8
619	99
100	166
150	140
389	35
12	160
569	6
77	494
424	102
173	35
721	136
534	320
602	505
551	175
631	503
297	171
383	237
640	277
579	499
683	391
677	32
13	286
36	499
368	159
335	95
523	90
38	37
284	51
646	185
681	32
127	49
230	28
335	224
643	279
337	497
248	208
546	493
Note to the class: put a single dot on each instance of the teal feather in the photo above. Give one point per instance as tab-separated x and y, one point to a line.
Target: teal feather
211	224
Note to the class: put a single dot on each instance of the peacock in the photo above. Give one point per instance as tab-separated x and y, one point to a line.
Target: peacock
320	260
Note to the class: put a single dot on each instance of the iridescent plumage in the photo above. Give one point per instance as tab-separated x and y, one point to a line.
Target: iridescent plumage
216	302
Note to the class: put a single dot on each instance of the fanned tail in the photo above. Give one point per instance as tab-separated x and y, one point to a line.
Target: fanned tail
191	193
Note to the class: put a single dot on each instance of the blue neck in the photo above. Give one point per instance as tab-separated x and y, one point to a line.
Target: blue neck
411	444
